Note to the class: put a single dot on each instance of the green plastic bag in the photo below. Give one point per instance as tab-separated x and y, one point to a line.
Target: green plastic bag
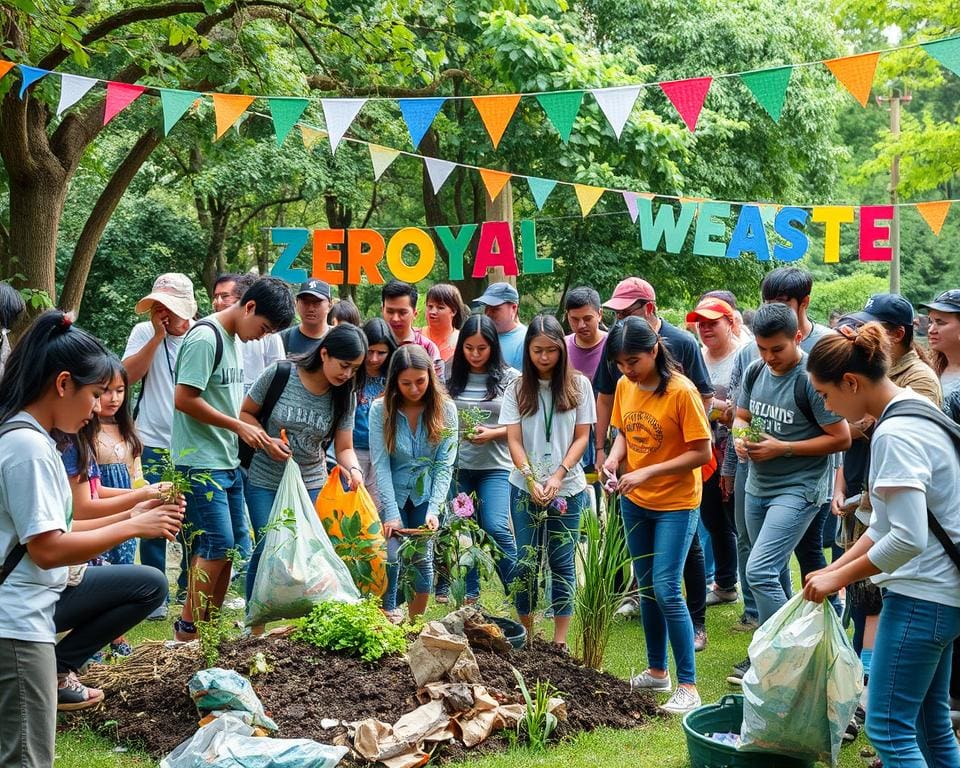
803	685
299	566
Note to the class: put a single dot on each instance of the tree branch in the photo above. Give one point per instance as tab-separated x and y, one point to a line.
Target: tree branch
263	206
372	208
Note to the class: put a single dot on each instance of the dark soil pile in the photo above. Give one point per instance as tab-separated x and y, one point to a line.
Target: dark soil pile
306	686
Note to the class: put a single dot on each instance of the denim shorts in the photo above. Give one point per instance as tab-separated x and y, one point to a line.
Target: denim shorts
210	511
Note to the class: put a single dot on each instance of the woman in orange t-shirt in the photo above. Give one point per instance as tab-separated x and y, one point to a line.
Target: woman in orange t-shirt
663	439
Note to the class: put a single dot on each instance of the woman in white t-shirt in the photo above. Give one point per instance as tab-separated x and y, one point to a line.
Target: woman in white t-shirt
914	477
548	413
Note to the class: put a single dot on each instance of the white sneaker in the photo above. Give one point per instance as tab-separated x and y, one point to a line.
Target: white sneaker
235	604
648	682
683	700
629	608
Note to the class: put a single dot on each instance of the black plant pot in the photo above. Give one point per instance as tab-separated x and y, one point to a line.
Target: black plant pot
514	631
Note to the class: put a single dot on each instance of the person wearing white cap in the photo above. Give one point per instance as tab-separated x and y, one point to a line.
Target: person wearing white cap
151	356
501	303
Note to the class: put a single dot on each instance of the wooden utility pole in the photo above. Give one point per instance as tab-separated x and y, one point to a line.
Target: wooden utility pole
892	103
501	209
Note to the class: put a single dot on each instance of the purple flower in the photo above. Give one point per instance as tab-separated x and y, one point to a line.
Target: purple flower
462	505
559	505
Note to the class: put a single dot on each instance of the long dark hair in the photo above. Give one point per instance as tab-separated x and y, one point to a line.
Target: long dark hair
52	345
342	342
634	334
563	383
460	368
378	332
412	356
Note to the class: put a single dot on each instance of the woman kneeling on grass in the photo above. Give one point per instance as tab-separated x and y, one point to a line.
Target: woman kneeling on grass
914	480
663	440
53	380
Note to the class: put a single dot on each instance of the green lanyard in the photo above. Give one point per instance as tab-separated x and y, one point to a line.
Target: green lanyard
547	418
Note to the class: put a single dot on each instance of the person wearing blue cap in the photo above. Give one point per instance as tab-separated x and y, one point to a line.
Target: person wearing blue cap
500	303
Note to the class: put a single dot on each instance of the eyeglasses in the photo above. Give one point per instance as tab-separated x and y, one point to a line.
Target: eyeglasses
632	309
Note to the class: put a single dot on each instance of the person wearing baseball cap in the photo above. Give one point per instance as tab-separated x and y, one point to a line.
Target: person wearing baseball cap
151	356
313	307
943	334
501	303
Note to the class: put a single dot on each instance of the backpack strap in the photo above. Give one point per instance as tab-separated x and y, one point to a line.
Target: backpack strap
15	555
802	398
277	384
751	375
218	353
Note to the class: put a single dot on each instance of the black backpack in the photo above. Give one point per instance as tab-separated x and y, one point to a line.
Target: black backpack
751	375
277	383
15	555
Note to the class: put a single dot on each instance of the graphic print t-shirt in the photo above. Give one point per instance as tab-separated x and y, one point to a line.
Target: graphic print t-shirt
658	428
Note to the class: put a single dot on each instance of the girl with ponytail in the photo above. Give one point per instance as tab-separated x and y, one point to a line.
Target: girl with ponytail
53	380
914	482
663	439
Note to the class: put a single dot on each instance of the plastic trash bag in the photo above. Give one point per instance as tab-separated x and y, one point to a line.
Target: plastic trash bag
803	685
352	522
216	689
226	743
299	567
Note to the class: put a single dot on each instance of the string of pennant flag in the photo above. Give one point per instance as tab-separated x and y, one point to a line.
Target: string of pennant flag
768	87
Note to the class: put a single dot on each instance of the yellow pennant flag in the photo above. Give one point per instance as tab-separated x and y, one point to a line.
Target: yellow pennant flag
587	196
494	181
311	135
855	73
496	111
934	213
228	107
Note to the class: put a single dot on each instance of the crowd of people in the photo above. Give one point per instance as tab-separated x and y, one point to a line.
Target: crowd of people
731	445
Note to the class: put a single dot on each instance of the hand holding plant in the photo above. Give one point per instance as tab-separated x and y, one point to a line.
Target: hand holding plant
471	420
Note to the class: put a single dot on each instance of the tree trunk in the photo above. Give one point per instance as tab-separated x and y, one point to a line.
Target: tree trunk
219	219
36	206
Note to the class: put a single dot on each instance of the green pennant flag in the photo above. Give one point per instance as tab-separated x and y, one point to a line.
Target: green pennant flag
562	110
285	112
947	52
175	105
769	88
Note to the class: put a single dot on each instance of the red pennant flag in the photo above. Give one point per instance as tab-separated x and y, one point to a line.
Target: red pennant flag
119	97
687	97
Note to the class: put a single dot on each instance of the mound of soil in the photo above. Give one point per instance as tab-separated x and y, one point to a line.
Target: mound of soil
307	685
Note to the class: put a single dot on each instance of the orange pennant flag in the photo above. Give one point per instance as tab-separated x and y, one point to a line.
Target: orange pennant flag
494	181
5	66
934	213
856	74
496	111
228	107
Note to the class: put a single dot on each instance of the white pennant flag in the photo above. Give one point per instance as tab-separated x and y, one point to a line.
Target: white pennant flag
338	114
72	89
439	171
381	157
617	104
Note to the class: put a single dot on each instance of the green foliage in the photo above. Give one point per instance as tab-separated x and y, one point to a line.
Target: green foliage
538	722
845	294
752	433
360	629
212	631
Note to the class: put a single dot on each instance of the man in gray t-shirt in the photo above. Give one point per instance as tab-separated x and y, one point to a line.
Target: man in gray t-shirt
789	465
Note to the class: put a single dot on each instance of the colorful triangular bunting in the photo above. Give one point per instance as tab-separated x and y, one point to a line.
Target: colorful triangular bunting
72	89
228	107
495	112
855	73
587	196
540	189
630	198
285	112
687	97
439	171
934	213
119	97
769	88
947	52
418	114
175	104
5	66
381	157
562	109
494	181
28	76
616	105
339	114
311	135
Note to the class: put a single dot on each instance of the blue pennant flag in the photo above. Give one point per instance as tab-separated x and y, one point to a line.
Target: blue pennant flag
28	76
540	189
418	114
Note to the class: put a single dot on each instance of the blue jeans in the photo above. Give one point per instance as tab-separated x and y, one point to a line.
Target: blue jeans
776	525
492	487
212	511
809	551
412	517
658	543
153	552
908	710
556	534
709	565
743	540
260	503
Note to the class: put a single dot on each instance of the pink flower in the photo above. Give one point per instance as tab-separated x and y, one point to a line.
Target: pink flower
462	505
559	505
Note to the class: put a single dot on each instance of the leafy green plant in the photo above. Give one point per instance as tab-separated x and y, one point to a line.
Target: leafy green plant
212	630
603	555
359	629
354	547
470	419
753	433
538	722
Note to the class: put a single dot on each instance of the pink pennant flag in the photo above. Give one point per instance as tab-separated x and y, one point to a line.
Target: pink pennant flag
630	198
119	97
687	97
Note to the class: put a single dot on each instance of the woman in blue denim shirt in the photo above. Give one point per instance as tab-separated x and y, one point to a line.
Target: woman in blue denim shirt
413	445
380	348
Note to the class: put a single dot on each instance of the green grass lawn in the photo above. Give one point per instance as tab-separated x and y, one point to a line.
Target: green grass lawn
660	744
